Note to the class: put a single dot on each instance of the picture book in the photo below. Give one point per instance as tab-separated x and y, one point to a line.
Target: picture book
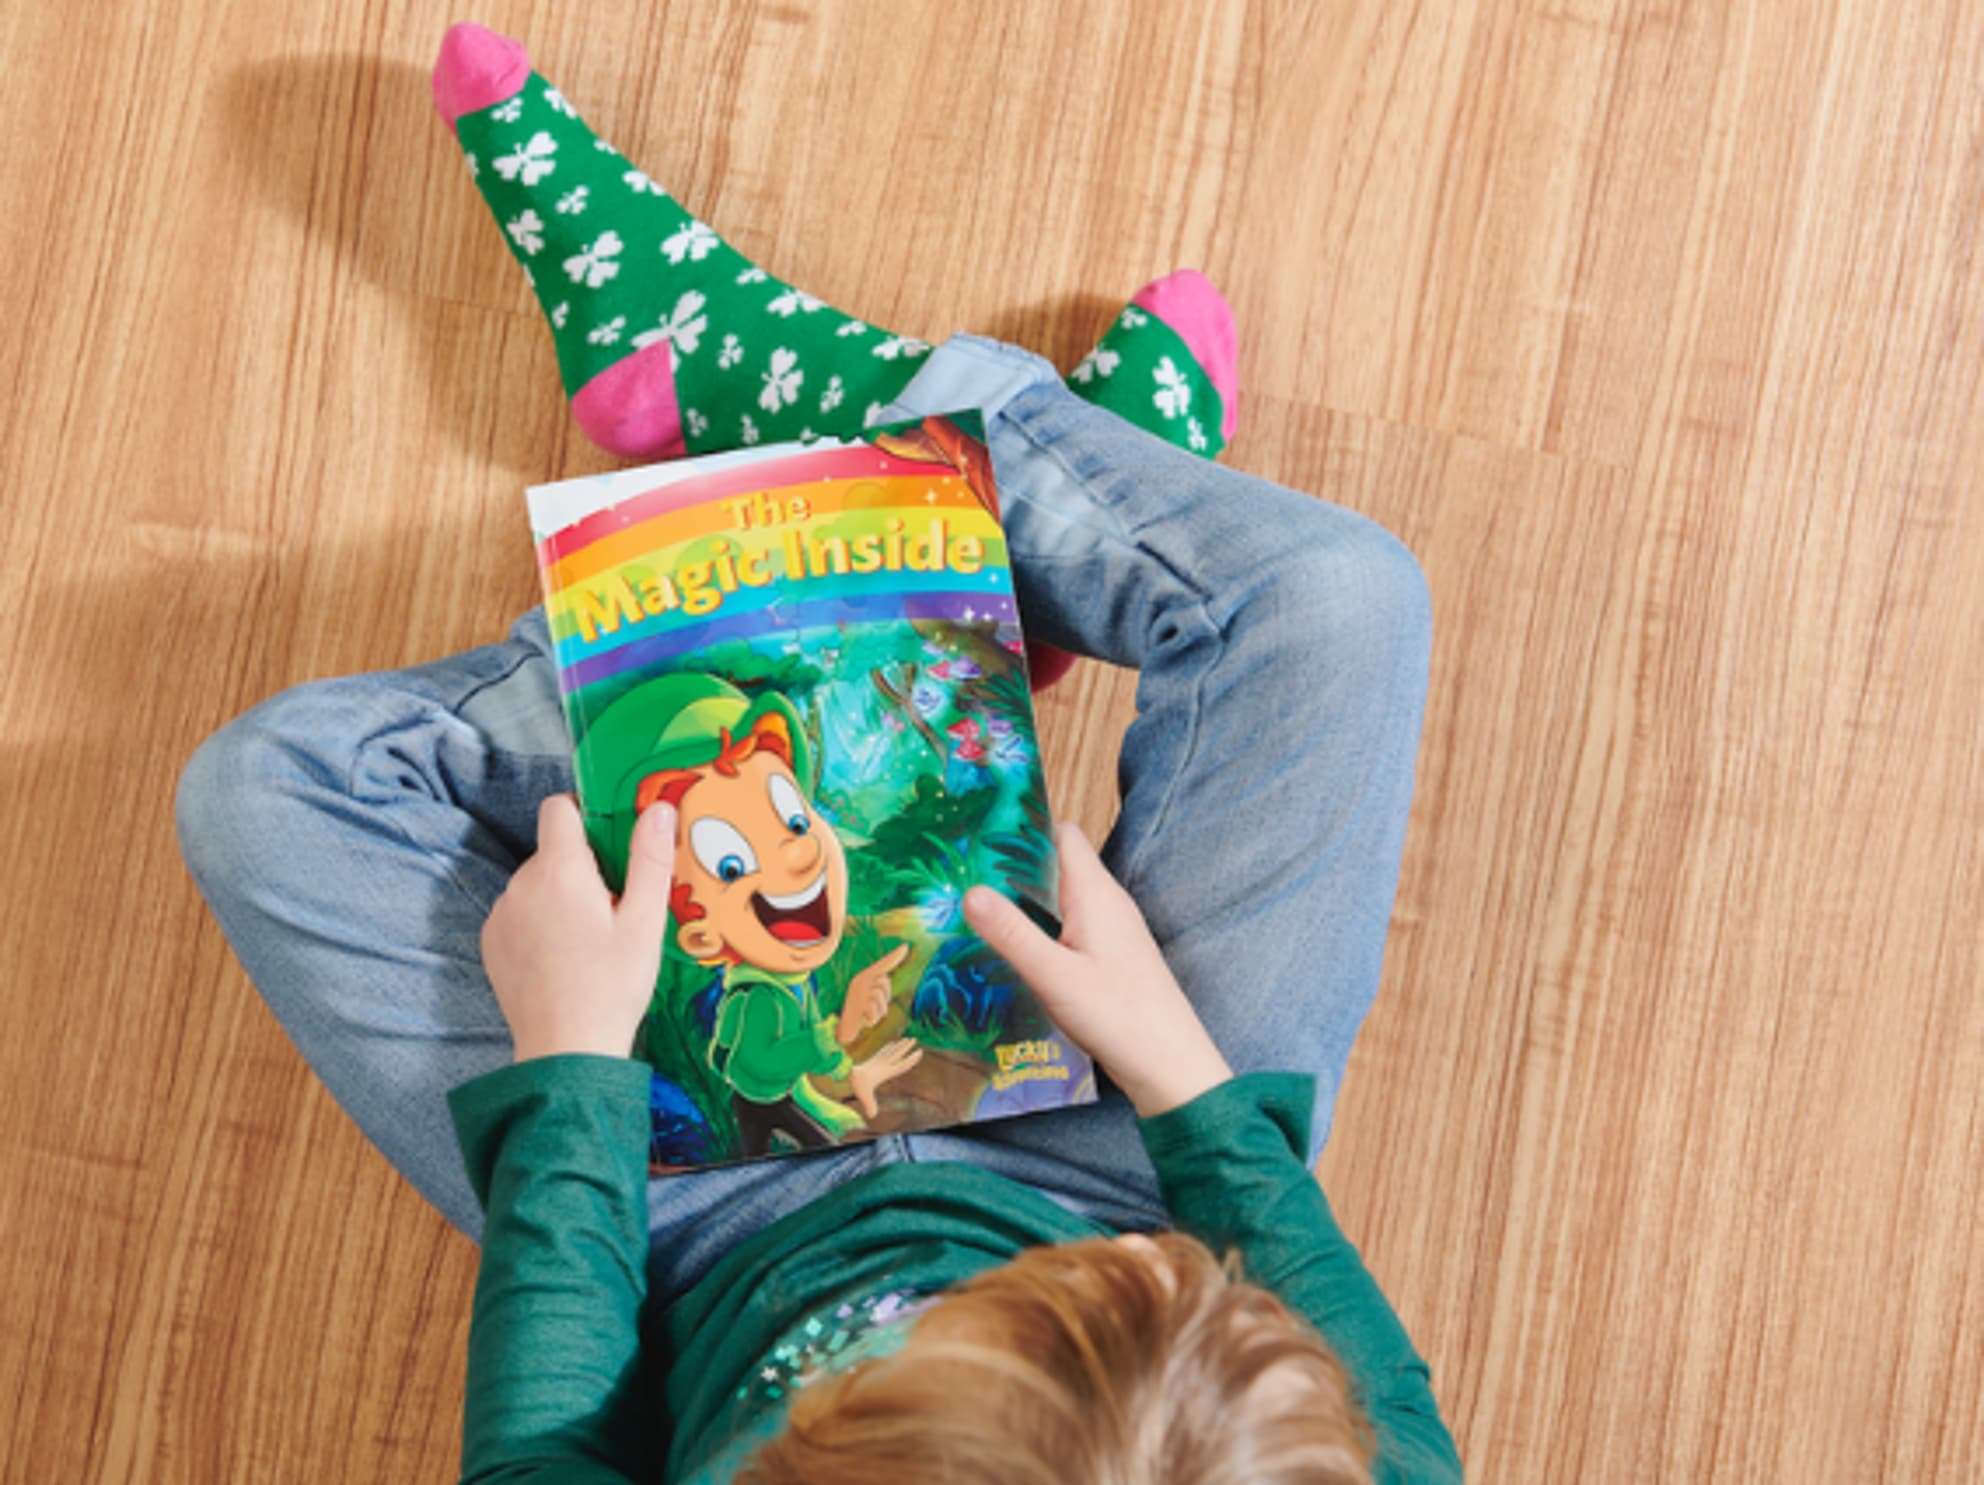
813	652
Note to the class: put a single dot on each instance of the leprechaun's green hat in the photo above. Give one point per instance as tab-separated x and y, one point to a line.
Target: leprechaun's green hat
674	721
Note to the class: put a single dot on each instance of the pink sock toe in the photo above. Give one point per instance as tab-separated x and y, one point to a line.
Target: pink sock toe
630	409
1188	303
475	69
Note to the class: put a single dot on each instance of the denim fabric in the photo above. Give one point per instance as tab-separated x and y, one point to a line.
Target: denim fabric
351	834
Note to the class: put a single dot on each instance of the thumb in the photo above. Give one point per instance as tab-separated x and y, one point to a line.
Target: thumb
1017	939
650	868
864	1095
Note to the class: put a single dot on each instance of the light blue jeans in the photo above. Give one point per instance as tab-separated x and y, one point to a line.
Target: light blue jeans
352	834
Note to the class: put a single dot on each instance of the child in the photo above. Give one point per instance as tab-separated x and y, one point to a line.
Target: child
999	1302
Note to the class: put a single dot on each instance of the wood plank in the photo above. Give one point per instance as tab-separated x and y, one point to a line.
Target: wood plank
1657	331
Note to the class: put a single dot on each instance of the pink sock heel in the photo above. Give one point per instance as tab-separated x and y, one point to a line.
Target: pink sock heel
630	408
1189	304
475	69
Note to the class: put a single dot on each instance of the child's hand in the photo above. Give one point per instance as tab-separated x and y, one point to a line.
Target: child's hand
573	970
1106	983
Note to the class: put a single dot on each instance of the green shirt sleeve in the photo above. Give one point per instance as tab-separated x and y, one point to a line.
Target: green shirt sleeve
1230	1168
556	1153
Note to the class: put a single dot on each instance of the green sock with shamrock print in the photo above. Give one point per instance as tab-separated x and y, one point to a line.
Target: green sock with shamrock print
1169	364
671	341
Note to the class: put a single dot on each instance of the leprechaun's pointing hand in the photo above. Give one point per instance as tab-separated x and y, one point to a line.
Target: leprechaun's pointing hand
869	996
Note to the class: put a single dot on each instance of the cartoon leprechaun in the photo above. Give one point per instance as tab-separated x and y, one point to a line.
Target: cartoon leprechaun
760	889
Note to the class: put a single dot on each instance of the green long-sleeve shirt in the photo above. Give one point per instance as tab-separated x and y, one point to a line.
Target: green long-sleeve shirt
569	1381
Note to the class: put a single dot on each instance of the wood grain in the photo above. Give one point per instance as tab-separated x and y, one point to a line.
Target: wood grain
1657	330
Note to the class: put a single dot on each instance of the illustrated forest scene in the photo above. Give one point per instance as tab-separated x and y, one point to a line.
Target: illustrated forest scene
929	772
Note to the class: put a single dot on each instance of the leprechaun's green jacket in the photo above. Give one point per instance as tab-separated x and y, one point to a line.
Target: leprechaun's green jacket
770	1034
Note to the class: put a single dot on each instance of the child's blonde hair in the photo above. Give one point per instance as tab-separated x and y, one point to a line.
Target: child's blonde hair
1092	1363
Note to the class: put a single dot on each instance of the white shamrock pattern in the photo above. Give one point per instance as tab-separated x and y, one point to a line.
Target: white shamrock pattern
831	398
1132	317
792	300
729	353
682	327
527	232
782	379
1174	393
1195	435
749	432
900	345
852	327
695	422
693	241
1097	362
752	275
607	334
641	183
530	161
557	100
508	112
560	314
593	265
573	201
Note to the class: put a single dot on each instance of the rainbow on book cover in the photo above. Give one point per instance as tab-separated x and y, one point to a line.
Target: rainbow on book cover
813	652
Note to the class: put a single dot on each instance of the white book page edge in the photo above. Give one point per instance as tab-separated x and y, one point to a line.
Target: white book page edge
565	503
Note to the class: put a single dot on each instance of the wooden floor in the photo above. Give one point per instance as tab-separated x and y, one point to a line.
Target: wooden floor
1656	330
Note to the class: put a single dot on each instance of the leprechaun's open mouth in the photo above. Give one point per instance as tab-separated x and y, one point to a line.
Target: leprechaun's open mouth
800	917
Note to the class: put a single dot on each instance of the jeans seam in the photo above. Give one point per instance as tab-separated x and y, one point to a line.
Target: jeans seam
1166	800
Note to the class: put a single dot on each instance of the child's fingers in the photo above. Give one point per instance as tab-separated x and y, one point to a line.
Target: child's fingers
650	868
1017	939
1087	889
560	831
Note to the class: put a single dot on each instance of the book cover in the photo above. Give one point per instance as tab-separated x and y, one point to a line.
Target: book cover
813	652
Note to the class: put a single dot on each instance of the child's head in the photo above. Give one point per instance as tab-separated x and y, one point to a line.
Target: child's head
1097	1363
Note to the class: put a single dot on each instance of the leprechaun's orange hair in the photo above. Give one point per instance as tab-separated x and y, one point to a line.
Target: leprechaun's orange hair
769	734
